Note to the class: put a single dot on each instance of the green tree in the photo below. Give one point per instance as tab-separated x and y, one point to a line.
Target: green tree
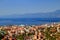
2	33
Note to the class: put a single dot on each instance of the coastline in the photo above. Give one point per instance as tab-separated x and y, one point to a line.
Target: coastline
31	24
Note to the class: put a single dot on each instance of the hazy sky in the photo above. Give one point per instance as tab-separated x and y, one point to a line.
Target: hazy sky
8	7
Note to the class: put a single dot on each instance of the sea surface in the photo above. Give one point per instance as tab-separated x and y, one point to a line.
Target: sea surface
28	21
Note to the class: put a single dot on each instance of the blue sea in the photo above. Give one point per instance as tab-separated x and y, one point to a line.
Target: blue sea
28	21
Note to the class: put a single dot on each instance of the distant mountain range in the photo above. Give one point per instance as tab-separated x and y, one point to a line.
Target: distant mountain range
55	14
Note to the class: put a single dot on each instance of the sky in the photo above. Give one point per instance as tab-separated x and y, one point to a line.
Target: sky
10	7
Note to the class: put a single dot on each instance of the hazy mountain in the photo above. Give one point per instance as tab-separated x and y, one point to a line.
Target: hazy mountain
55	14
